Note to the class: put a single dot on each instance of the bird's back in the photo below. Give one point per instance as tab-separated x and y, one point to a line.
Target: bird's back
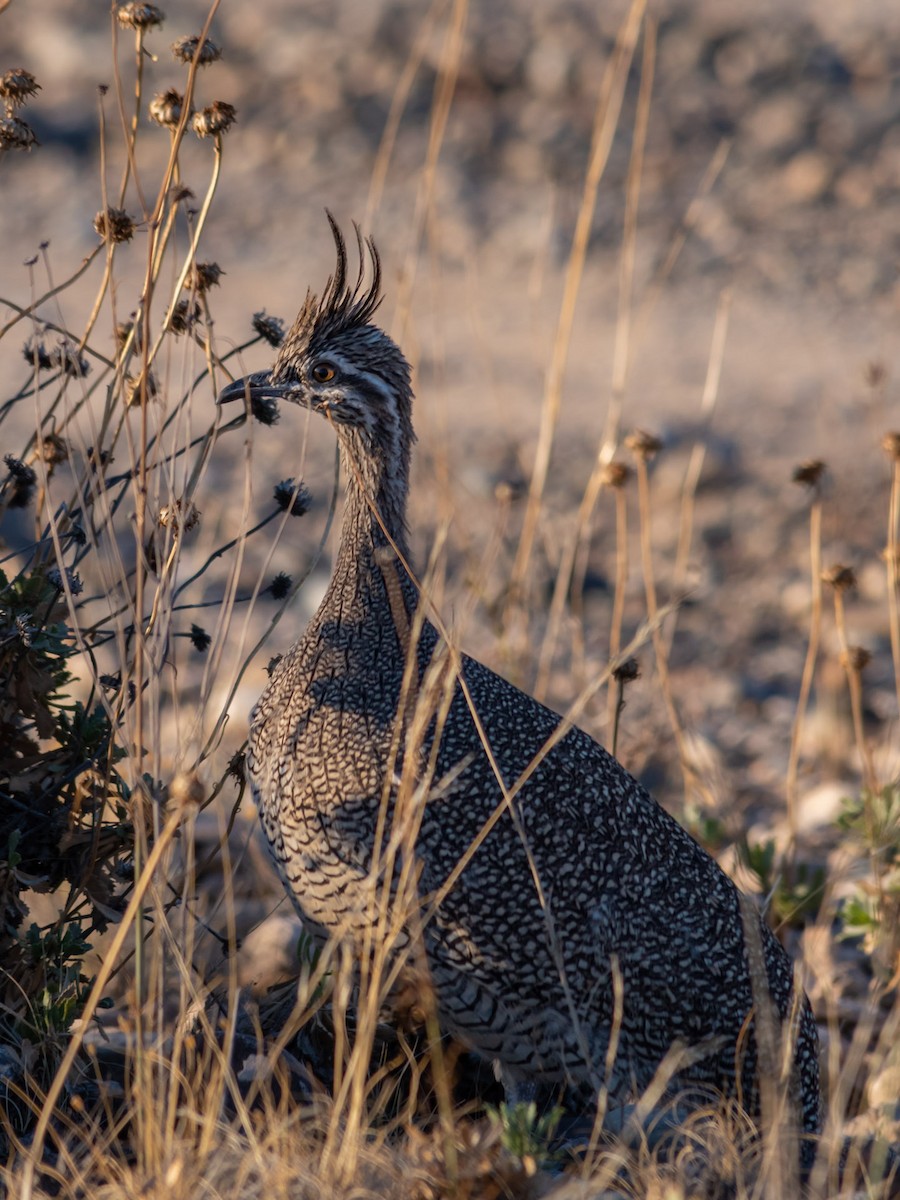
586	912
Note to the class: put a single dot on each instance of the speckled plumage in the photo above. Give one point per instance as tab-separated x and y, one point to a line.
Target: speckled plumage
524	974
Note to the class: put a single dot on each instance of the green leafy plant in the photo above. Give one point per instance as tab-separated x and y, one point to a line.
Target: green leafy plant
526	1133
872	911
792	900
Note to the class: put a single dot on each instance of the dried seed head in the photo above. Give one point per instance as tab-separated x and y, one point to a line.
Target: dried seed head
69	361
16	86
16	134
180	194
137	386
627	671
123	332
203	276
36	354
265	410
200	639
809	473
165	108
855	659
841	578
280	586
114	225
237	765
98	460
215	119
270	329
890	444
616	474
185	50
286	499
54	576
139	16
179	514
22	481
643	445
52	449
25	630
184	316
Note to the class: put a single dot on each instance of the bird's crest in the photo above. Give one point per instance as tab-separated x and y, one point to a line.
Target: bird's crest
341	307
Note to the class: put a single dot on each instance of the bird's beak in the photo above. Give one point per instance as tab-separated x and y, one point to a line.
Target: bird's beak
258	386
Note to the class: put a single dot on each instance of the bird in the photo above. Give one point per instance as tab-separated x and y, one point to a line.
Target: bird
573	931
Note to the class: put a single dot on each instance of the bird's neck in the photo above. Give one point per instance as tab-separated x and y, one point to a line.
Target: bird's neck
374	520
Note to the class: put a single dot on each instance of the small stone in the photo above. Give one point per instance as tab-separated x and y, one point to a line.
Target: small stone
806	177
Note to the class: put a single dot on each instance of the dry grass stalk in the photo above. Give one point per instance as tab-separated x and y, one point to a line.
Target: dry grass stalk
568	577
810	475
605	124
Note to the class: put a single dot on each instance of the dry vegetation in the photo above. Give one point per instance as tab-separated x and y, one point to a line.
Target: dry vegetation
133	602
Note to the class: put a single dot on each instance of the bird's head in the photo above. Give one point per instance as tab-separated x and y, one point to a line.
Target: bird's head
336	362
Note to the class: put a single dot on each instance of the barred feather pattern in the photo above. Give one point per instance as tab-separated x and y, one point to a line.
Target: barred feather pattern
587	914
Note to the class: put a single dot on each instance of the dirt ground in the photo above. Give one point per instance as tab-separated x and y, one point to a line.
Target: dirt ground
795	111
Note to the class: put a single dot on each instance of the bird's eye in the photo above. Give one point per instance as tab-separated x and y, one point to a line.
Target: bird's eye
323	372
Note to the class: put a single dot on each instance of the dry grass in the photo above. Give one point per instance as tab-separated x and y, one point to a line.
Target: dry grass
146	610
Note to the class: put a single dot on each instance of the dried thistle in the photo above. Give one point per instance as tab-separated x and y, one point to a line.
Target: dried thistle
627	671
265	410
890	444
77	535
16	134
179	514
271	329
643	445
809	473
237	765
23	481
114	225
615	474
139	16
25	630
165	108
55	577
37	355
16	86
123	333
98	460
841	578
217	118
52	449
200	639
185	50
69	361
184	316
203	276
286	499
855	659
138	386
280	586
